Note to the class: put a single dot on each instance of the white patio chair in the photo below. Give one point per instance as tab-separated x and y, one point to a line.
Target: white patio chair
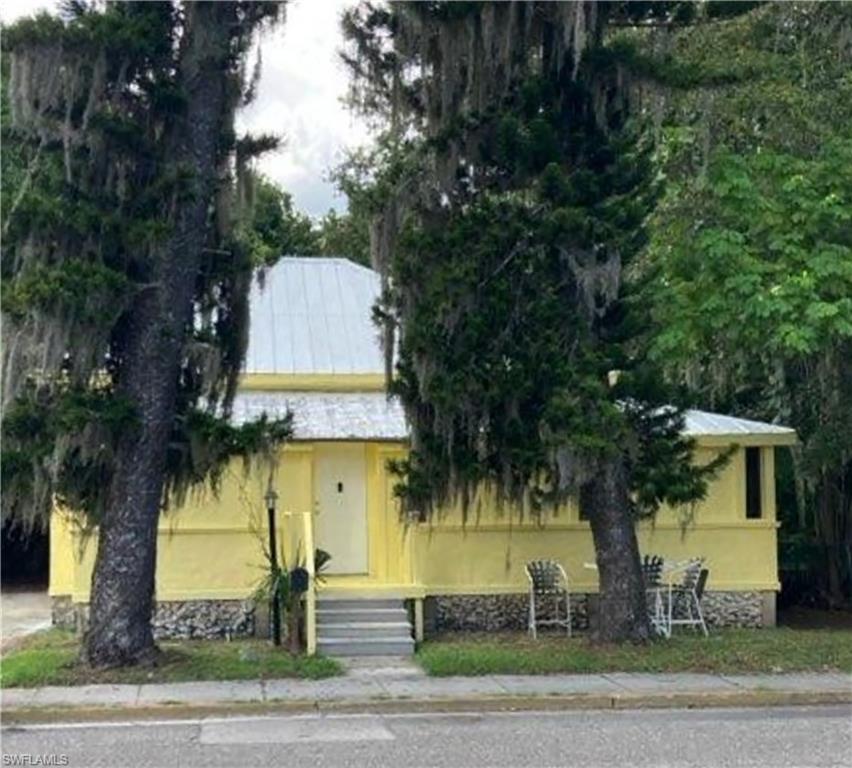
548	580
685	598
652	572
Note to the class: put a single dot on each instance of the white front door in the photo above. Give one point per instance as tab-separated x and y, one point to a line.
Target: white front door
340	492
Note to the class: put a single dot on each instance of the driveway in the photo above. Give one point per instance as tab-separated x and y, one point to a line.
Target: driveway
21	614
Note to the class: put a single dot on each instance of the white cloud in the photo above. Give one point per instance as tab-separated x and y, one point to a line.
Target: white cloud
14	9
299	97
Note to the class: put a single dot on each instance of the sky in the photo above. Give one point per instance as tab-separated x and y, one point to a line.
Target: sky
299	98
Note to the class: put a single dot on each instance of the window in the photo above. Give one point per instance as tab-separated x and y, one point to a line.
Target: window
754	503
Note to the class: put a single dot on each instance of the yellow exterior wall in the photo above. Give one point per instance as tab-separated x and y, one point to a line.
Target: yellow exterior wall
211	548
489	553
491	559
62	560
314	382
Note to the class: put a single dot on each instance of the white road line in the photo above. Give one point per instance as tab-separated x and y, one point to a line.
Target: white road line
251	718
842	711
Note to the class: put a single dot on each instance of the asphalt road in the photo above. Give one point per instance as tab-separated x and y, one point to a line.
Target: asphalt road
775	737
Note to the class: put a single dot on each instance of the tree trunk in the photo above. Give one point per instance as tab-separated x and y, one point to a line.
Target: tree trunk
622	614
831	518
122	599
294	626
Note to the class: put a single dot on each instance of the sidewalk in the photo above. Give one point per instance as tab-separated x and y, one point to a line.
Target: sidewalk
400	684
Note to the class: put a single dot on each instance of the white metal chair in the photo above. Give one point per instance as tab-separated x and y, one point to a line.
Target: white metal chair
685	598
652	572
548	580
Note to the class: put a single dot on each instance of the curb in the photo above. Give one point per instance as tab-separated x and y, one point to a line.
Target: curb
555	703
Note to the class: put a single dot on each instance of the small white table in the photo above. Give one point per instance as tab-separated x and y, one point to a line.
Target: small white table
661	615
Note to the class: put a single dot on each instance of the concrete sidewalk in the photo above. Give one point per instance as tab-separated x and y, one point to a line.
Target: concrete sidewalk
403	684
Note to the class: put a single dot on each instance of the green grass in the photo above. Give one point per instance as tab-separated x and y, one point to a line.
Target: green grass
53	658
725	651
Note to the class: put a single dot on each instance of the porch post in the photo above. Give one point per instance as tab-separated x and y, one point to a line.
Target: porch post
418	619
311	596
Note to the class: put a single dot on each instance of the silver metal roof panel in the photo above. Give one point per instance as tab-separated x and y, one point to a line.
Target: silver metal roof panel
327	415
706	423
313	315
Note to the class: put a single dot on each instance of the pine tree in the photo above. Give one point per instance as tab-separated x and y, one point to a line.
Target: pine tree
508	210
125	281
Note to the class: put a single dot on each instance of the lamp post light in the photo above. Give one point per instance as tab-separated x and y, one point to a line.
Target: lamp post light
271	498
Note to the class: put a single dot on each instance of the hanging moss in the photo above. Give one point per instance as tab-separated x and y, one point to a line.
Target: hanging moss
60	440
203	444
93	292
503	245
86	103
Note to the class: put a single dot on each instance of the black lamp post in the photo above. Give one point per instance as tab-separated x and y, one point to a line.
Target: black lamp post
271	498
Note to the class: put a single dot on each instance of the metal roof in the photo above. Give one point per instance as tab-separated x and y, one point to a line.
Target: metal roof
327	415
373	416
705	423
313	315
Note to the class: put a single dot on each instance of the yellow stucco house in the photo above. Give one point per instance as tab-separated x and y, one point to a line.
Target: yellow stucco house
314	350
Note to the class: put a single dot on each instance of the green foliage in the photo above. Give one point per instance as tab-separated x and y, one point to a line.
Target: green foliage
727	651
90	195
274	228
507	198
367	177
93	292
284	586
203	444
53	658
346	234
749	266
769	267
61	439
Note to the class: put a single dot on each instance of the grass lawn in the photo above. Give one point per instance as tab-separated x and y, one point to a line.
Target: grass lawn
52	658
725	651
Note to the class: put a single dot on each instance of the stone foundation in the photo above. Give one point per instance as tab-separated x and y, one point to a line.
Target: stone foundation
489	613
733	609
204	619
177	619
63	613
211	619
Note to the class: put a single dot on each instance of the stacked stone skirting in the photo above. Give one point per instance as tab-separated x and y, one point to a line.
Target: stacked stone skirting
488	613
63	613
734	609
178	619
211	619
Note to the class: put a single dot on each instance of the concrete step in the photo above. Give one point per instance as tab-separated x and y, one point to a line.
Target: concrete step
374	615
368	626
378	646
343	603
365	629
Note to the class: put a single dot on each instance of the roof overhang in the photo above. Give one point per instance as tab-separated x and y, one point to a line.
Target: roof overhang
325	414
312	382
